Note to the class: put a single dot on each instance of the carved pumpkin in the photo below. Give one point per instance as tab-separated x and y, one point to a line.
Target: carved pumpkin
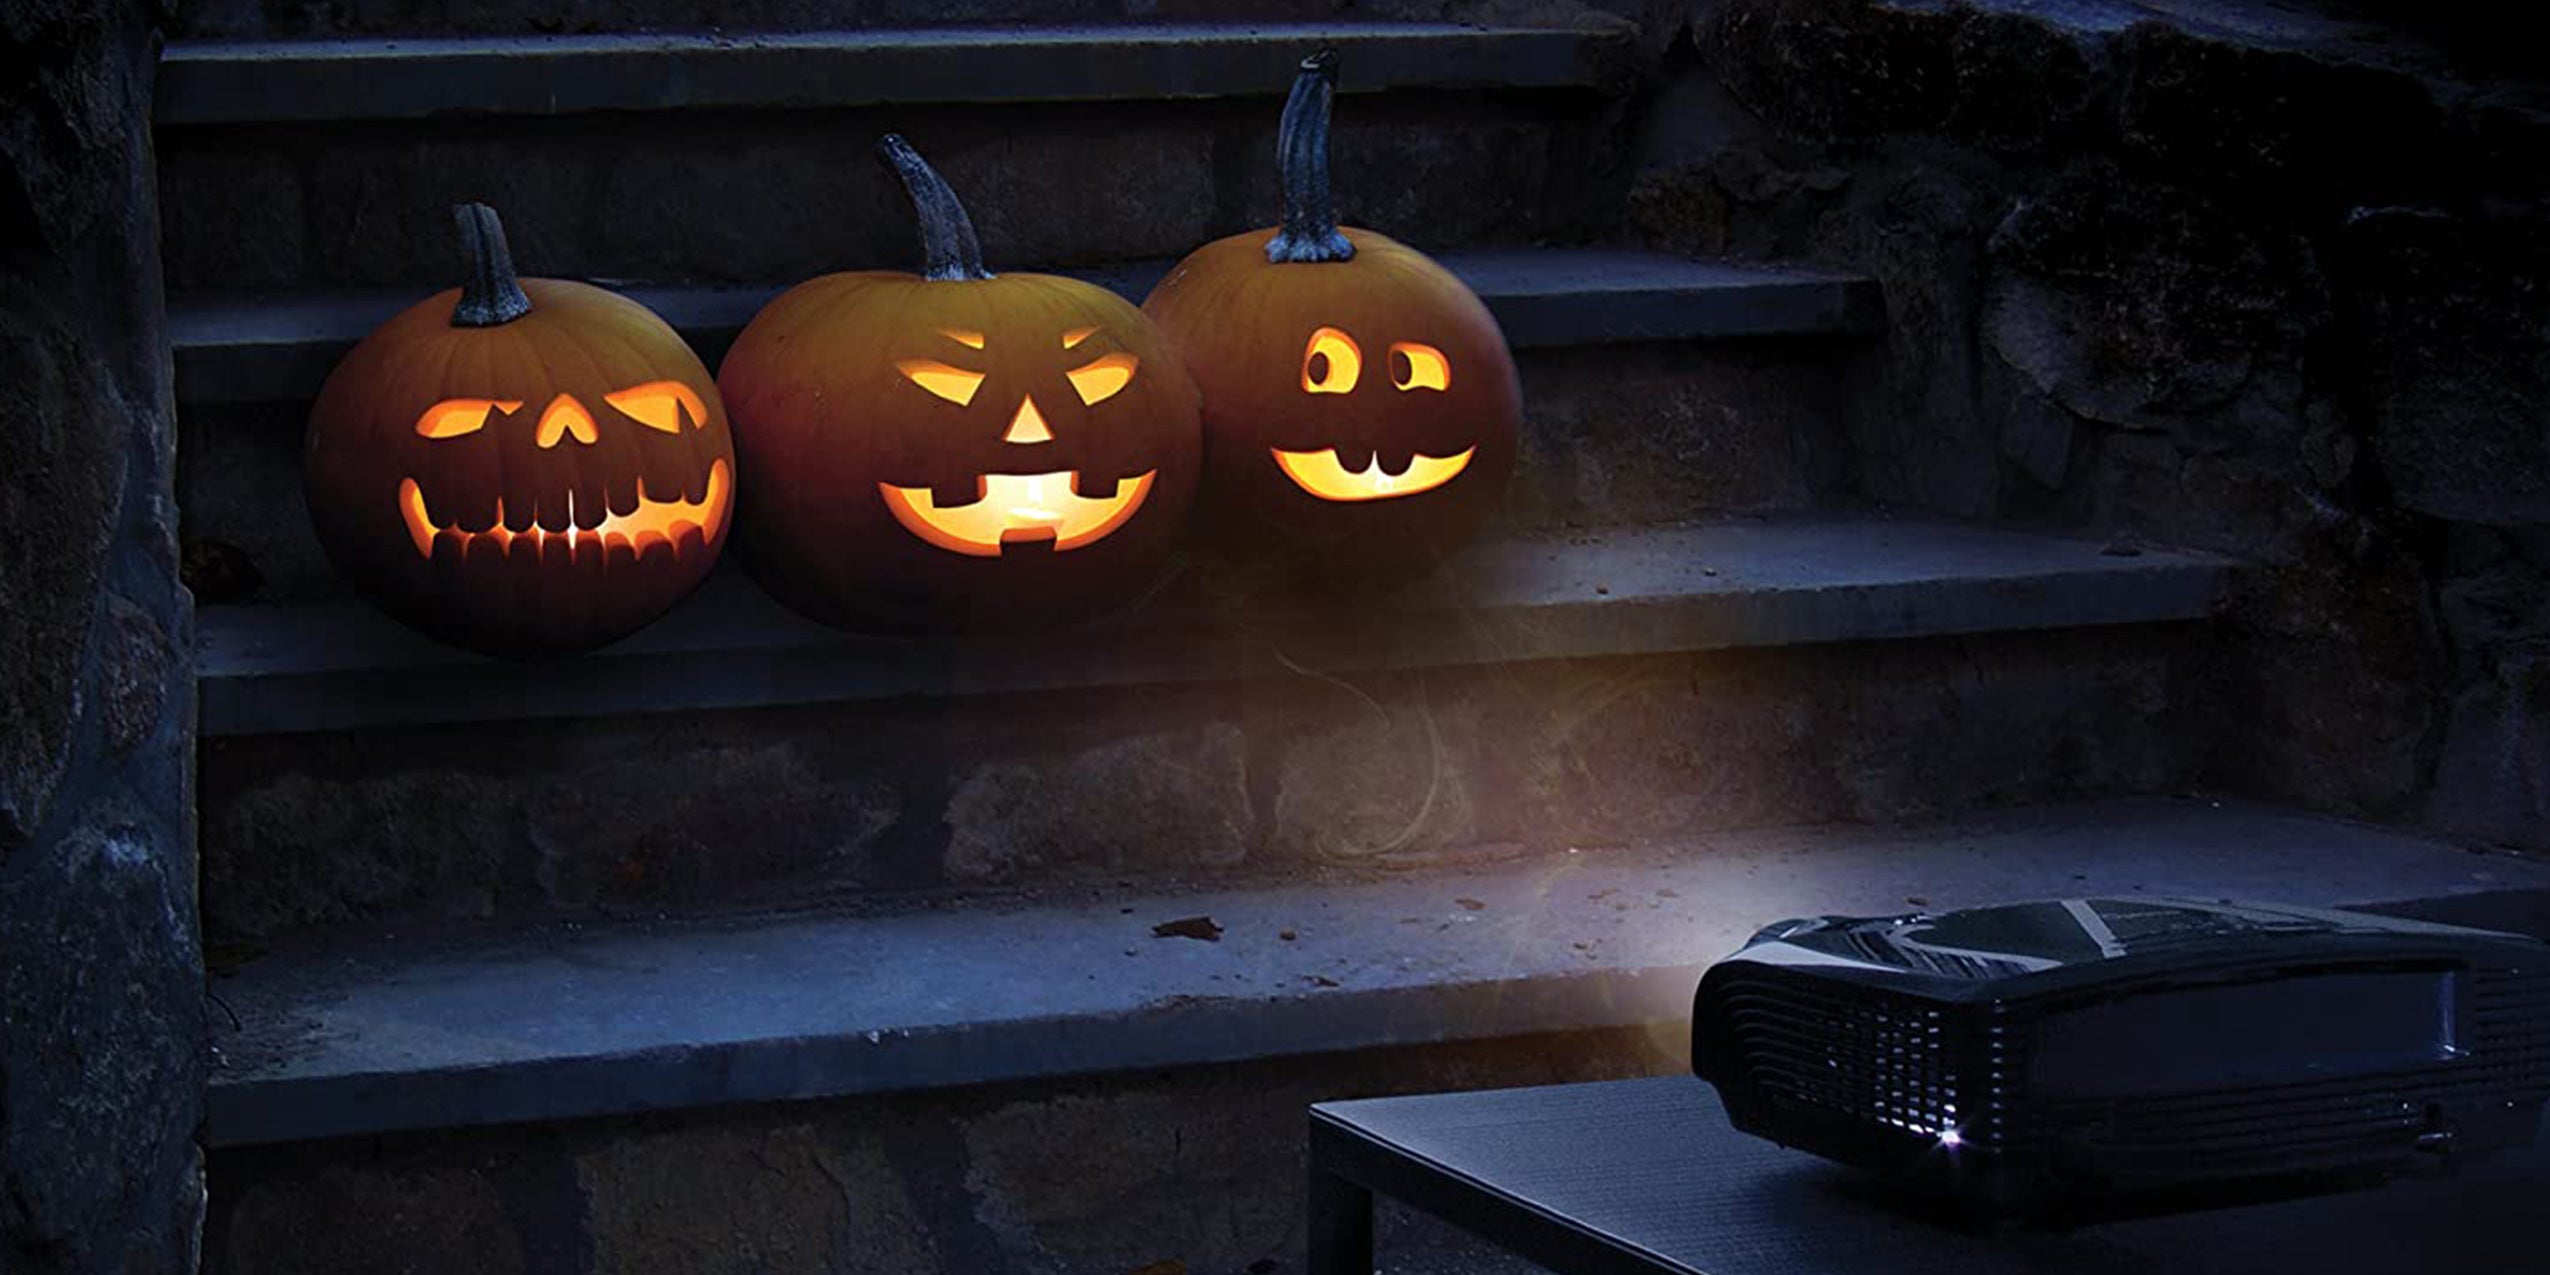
954	449
1360	405
520	466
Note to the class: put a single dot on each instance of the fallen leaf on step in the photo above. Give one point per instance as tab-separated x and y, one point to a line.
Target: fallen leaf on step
1188	927
1471	905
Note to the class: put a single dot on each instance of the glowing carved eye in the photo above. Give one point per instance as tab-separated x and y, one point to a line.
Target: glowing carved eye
454	417
1424	364
1332	363
660	404
954	384
1073	338
1099	380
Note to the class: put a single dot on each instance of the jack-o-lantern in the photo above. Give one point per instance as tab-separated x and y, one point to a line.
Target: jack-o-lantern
956	450
1360	406
521	466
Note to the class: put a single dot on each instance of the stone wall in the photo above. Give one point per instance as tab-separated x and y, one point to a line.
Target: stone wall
1279	778
2233	276
1198	1170
101	986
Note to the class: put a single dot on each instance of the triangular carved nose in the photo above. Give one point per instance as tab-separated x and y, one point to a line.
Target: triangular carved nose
565	416
1028	426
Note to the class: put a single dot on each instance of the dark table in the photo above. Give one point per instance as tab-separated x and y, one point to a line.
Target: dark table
1644	1177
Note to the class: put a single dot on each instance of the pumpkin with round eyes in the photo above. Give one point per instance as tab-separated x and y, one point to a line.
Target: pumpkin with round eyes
955	449
520	466
1360	405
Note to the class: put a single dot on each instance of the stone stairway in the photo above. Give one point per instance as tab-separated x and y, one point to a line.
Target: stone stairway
744	945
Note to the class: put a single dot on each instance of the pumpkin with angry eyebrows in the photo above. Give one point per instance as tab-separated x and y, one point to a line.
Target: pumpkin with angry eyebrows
954	449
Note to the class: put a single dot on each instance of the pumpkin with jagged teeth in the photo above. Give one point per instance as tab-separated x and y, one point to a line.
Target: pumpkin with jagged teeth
521	466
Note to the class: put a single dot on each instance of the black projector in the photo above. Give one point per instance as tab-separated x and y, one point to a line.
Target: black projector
2103	1055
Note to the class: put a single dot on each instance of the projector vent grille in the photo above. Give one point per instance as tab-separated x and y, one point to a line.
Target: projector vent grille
1869	1057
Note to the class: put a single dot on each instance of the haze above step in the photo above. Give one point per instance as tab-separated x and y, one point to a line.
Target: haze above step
232	349
276	81
1570	594
372	1035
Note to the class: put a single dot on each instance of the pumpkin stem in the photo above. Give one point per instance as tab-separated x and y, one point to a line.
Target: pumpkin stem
489	294
949	250
1301	154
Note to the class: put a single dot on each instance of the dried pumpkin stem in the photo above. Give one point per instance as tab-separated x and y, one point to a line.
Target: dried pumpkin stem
489	294
949	250
1301	153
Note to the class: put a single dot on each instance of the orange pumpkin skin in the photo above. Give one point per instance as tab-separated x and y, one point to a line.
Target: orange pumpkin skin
1244	327
1360	406
850	455
486	538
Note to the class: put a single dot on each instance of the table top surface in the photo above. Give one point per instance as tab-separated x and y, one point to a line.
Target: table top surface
1653	1166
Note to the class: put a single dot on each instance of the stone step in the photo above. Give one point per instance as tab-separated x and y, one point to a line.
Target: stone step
1541	692
235	82
280	347
1627	420
388	1032
202	20
703	160
1620	591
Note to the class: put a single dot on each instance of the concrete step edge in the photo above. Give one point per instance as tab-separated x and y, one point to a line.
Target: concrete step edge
280	347
390	78
382	1034
1569	594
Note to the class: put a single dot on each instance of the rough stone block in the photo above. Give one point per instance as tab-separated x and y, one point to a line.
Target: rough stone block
1661	434
1142	803
362	1215
225	199
748	1197
2453	309
1389	766
101	1068
646	815
66	464
1204	1168
248	530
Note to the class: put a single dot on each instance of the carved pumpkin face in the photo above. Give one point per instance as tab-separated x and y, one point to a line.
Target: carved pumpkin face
538	484
957	450
1360	406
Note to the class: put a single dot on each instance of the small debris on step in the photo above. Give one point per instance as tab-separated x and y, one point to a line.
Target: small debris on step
1918	900
1471	905
1286	935
1188	927
1667	892
1161	1268
1321	980
2122	549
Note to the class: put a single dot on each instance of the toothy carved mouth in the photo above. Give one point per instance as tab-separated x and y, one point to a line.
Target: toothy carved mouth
1322	475
653	520
1016	509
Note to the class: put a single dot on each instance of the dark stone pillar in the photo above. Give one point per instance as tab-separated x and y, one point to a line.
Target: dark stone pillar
101	973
